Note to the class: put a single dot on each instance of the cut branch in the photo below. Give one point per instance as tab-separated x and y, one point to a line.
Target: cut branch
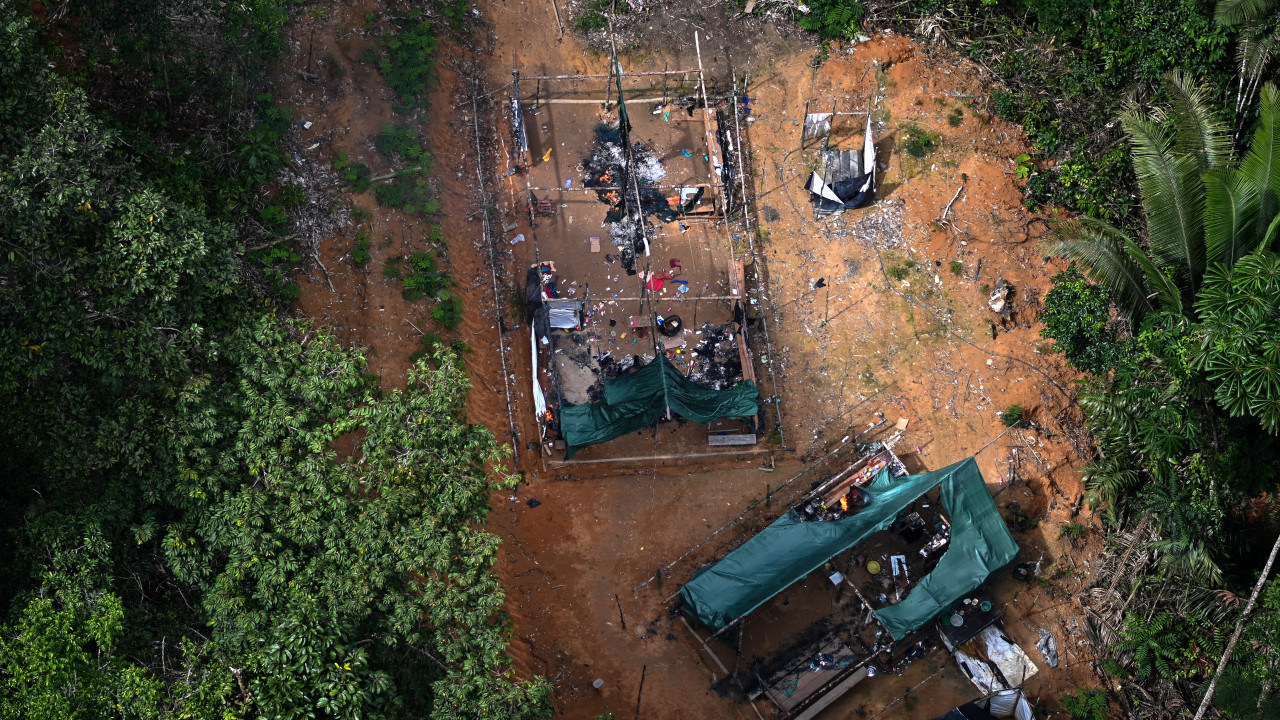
1235	636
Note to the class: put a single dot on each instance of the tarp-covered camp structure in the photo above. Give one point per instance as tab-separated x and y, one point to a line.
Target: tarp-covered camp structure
791	548
847	179
638	399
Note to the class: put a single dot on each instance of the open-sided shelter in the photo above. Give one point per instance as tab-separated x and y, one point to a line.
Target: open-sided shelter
637	400
792	547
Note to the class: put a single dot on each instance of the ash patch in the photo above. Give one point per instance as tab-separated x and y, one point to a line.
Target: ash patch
611	368
881	227
715	359
606	170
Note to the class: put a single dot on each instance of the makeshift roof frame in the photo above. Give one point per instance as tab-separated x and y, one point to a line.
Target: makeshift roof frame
614	80
818	125
791	548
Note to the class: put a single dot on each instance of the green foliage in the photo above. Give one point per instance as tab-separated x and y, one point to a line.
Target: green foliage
408	194
293	195
360	252
456	12
1086	704
1072	529
356	174
448	314
1247	688
897	272
425	277
1012	416
402	144
408	63
1155	645
1077	316
409	189
430	345
956	117
833	19
276	263
1025	166
917	141
1239	337
957	267
391	268
1067	69
591	21
182	539
1200	206
1088	180
273	216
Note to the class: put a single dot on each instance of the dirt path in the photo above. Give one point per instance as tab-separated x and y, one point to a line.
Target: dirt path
866	347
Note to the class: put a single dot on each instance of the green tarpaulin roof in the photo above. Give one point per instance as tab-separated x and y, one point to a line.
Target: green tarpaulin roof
637	400
791	548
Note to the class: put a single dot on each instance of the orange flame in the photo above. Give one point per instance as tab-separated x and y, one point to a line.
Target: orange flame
844	503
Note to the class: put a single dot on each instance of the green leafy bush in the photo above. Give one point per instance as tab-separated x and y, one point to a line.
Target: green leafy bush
167	426
400	143
957	267
455	11
425	277
1239	337
1012	415
833	19
273	216
448	314
919	142
391	194
1086	704
590	21
429	345
293	195
1077	317
1067	69
408	62
360	252
356	174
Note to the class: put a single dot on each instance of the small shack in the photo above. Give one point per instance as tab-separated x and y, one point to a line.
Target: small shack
845	179
945	536
794	546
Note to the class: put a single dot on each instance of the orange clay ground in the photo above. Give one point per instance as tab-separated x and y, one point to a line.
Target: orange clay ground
894	334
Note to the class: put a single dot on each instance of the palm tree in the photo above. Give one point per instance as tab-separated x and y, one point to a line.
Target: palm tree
1258	22
1201	206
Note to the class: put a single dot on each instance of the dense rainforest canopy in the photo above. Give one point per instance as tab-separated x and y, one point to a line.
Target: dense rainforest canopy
183	537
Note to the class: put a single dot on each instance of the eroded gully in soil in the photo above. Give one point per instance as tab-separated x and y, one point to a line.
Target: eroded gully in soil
919	345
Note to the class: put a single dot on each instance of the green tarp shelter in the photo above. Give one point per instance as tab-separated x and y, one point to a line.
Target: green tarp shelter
791	548
637	400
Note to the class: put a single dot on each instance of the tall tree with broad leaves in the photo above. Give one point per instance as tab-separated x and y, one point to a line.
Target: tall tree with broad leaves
210	512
